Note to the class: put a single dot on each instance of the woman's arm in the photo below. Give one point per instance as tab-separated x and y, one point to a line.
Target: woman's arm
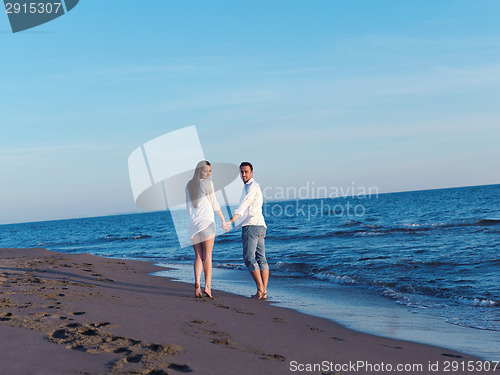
211	196
187	202
219	213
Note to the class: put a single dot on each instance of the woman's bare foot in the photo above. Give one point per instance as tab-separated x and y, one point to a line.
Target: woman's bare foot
208	293
197	291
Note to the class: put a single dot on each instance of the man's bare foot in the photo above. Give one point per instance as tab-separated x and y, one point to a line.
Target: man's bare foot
260	295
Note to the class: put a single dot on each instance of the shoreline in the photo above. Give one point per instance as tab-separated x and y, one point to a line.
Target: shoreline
73	313
355	309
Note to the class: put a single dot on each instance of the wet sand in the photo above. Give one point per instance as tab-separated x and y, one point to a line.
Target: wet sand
75	314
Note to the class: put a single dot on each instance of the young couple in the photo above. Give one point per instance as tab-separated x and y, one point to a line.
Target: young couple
201	204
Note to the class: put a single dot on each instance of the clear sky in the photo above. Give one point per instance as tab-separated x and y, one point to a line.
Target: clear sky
401	95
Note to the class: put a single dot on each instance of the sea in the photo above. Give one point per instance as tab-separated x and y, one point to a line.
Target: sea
422	266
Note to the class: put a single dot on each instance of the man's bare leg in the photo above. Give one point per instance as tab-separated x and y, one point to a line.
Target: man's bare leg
265	278
258	281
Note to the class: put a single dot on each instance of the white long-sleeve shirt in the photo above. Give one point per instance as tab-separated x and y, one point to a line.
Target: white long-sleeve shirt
202	216
250	208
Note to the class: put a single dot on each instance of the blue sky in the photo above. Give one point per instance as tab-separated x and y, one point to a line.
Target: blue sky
397	95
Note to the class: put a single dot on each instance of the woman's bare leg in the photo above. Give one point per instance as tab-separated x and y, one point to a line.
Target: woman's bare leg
208	246
198	266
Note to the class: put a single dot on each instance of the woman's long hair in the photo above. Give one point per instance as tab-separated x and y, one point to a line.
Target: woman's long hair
194	184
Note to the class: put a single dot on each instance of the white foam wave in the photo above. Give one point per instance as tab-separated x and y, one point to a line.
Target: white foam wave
336	279
231	266
480	302
402	299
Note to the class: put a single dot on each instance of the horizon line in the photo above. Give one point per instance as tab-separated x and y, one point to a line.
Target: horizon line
284	200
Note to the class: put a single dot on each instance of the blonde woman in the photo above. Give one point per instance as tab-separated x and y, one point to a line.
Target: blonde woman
201	204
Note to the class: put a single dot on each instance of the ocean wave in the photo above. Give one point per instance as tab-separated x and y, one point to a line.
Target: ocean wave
291	269
227	239
359	230
350	223
140	237
479	302
400	298
231	266
488	222
486	325
304	270
362	229
336	279
420	228
368	234
413	296
374	258
430	263
111	238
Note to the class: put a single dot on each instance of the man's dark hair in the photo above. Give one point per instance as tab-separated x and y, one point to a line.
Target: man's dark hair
247	164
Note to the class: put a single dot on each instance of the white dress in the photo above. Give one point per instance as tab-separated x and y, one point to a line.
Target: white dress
202	216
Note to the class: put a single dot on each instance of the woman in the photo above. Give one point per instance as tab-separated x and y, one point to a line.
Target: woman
201	204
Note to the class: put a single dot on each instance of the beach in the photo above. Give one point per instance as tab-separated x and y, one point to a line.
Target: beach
413	268
80	313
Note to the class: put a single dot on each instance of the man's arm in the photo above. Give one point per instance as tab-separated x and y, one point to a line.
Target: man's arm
233	219
245	203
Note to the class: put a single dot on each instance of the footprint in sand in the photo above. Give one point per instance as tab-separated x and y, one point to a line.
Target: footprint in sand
279	320
224	342
393	347
198	321
451	355
137	356
5	316
242	312
107	280
124	350
199	329
176	367
239	311
157	372
336	338
313	328
273	357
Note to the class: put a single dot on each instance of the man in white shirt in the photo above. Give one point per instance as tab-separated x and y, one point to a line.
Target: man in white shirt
253	230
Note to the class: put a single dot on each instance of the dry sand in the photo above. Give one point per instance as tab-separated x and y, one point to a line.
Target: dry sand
82	314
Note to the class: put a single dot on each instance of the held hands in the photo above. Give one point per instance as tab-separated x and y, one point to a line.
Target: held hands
226	226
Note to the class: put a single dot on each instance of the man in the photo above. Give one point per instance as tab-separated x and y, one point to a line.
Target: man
253	230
